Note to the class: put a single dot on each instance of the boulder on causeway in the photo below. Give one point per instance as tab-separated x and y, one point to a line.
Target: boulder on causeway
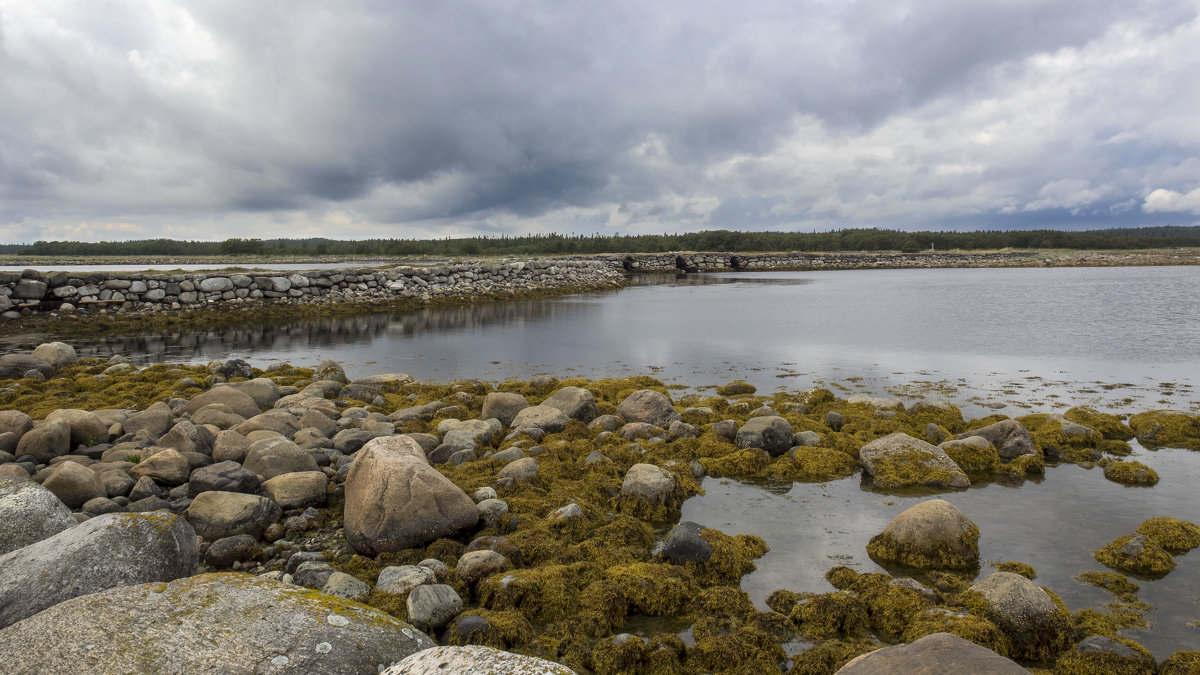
238	402
154	420
29	513
297	490
227	476
931	535
86	428
50	439
116	549
210	623
169	467
396	500
899	460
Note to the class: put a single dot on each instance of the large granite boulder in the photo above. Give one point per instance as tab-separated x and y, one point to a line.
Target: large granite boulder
575	402
649	483
15	422
396	500
116	549
74	484
503	406
931	535
475	659
29	513
899	460
649	406
237	401
769	432
86	428
276	456
1039	627
14	366
168	466
226	476
263	390
154	420
297	490
548	419
212	623
57	354
936	653
1010	437
46	441
186	436
216	515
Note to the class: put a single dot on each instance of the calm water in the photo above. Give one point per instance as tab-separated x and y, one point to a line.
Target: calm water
1055	524
987	339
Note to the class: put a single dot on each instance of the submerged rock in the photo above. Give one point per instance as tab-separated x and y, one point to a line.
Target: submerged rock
931	535
1136	553
1102	654
209	623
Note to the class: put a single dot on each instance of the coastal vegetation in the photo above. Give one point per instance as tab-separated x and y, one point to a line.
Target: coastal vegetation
841	240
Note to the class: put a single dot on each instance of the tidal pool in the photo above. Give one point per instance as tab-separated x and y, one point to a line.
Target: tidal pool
1054	524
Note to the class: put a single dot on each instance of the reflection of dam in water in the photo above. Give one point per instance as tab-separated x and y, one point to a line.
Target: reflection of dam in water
262	342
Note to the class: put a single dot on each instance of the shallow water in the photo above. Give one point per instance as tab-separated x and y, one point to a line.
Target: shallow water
1054	524
1006	340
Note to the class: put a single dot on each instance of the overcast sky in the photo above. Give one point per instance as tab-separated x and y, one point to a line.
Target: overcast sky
205	119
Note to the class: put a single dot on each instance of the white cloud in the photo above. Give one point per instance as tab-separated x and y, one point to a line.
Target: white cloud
1170	201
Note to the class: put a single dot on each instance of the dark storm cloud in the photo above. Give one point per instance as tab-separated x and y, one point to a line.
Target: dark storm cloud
472	112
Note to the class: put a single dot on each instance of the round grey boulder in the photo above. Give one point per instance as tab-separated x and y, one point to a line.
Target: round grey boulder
932	654
503	406
116	549
57	354
475	659
276	456
1038	627
551	420
1010	437
648	482
574	402
29	513
649	406
216	515
931	535
899	460
771	433
432	606
208	624
74	484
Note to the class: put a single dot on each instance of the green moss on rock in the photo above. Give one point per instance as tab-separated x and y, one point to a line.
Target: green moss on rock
1175	536
1138	554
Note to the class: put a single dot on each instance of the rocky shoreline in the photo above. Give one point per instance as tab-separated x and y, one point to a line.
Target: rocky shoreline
185	518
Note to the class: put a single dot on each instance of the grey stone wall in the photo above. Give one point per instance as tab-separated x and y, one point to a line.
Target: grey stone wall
29	292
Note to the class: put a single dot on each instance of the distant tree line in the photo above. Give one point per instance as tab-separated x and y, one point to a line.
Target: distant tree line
864	239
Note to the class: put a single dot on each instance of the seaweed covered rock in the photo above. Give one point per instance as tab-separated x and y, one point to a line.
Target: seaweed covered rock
1174	535
684	544
1181	663
812	464
770	432
1136	553
1107	425
1130	473
965	625
1102	654
935	653
1039	627
1010	438
396	500
209	623
117	549
474	659
840	613
931	535
1166	428
973	454
899	460
29	513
